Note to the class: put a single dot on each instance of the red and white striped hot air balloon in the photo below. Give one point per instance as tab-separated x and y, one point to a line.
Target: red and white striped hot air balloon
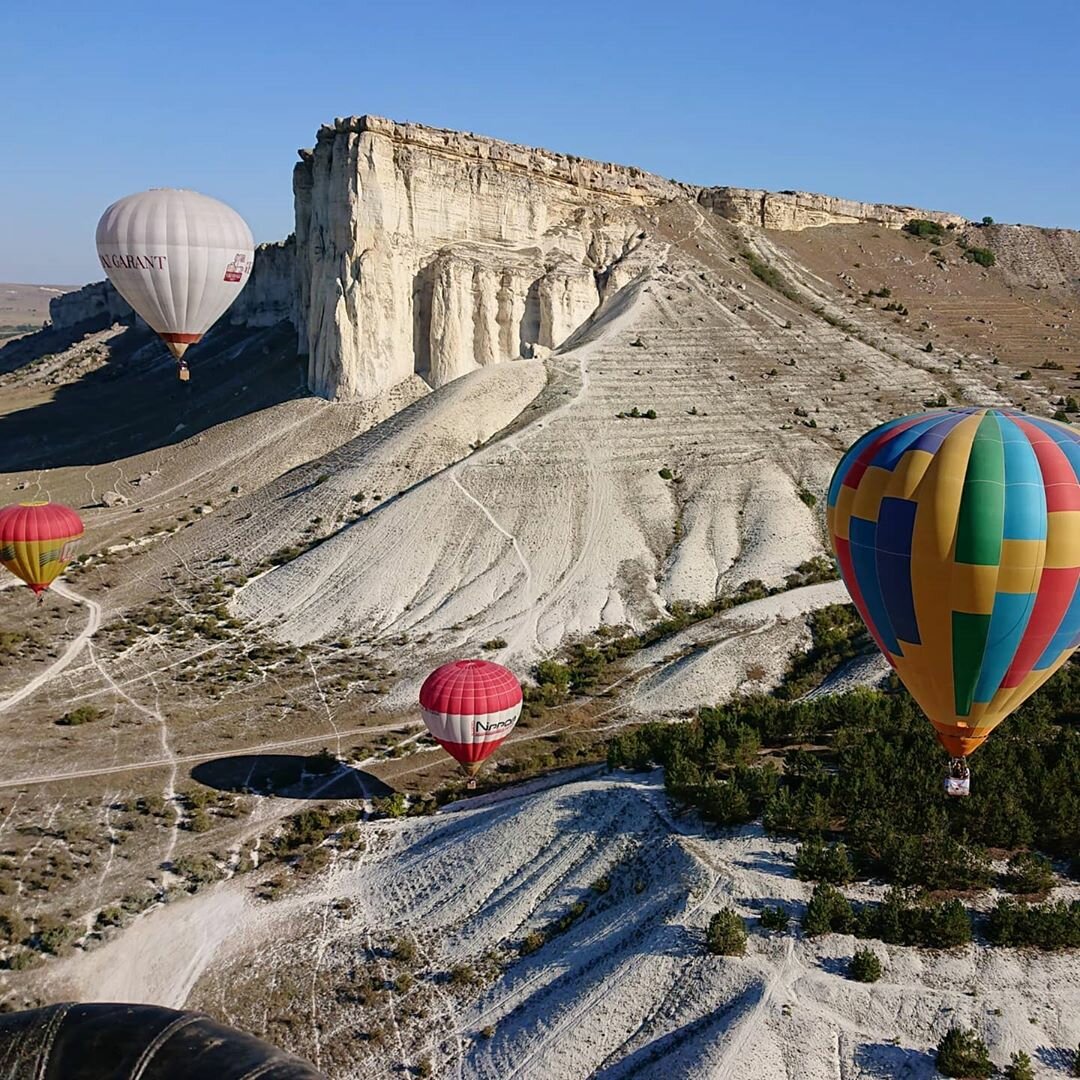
470	706
178	258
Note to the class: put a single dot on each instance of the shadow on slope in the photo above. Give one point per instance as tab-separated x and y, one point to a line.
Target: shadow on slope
134	402
892	1062
290	776
675	1051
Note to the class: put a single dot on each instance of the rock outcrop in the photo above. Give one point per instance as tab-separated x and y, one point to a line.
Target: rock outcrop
792	211
95	306
421	250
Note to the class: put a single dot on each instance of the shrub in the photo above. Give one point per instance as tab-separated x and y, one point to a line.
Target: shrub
1024	376
51	934
925	230
13	928
462	975
84	714
774	918
650	414
987	220
493	644
769	275
1029	872
532	941
816	861
982	256
961	1053
404	951
1019	1068
829	911
666	474
392	806
726	935
865	966
1045	926
808	497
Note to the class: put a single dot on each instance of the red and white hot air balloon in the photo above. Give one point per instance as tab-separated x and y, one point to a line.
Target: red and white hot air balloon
178	258
470	706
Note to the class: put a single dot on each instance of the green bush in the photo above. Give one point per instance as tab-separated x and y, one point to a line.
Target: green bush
1019	1068
817	861
829	912
726	935
1029	872
865	966
808	497
532	941
13	928
774	918
404	951
493	644
982	256
666	474
84	714
961	1053
925	230
1054	925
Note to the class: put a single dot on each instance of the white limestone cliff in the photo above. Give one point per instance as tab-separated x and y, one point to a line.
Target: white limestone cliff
434	252
791	211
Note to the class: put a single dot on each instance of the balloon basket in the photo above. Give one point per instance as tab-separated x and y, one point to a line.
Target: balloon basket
471	783
958	779
183	373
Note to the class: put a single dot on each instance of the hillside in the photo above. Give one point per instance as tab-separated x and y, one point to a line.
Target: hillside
488	400
25	308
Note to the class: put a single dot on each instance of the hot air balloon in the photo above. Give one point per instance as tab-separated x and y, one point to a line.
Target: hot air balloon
105	1041
36	540
470	706
178	258
957	532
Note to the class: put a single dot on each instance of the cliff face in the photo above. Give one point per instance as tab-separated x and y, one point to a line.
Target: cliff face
791	211
96	305
436	252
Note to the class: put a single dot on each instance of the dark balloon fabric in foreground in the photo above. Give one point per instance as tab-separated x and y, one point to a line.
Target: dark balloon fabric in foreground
98	1041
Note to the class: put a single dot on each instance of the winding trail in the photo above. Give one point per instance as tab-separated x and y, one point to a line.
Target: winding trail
69	654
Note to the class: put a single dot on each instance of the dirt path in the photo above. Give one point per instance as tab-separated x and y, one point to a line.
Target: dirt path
69	654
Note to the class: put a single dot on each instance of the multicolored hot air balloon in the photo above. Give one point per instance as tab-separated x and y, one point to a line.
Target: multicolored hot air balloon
957	532
36	540
470	706
178	258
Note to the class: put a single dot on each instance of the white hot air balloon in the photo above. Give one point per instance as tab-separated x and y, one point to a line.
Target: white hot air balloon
178	258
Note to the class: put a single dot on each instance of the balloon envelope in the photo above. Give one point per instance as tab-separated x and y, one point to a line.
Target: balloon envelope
470	706
36	540
178	258
957	532
107	1041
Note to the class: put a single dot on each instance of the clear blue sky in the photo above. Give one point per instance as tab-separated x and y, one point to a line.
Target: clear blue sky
970	107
